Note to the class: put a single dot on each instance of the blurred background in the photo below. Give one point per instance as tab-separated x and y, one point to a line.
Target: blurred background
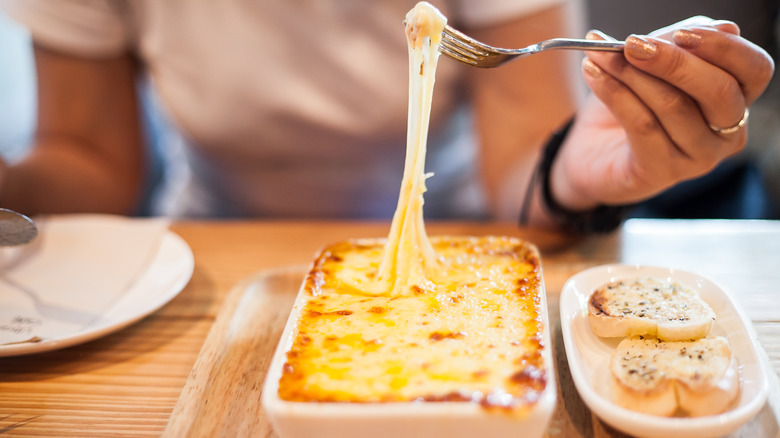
747	186
17	88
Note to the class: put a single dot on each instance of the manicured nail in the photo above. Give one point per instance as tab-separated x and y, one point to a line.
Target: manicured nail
640	48
687	38
591	68
594	34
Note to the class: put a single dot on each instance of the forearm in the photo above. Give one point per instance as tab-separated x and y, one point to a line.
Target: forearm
58	176
521	103
510	157
87	154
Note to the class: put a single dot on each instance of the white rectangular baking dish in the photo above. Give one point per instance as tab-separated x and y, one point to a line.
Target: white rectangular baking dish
401	419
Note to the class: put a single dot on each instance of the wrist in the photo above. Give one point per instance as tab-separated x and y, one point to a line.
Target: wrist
564	189
578	214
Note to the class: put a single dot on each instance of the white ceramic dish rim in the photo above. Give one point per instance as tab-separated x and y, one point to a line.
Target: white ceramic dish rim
573	309
169	271
277	408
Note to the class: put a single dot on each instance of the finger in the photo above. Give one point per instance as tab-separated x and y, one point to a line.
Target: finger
669	31
717	93
725	26
595	34
697	21
650	144
676	114
748	63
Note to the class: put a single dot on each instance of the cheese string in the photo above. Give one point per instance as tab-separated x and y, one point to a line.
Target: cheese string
409	258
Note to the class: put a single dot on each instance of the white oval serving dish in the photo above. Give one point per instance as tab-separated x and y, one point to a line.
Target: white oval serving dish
588	355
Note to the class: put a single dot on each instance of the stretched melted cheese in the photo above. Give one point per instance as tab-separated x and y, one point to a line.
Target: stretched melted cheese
475	337
409	259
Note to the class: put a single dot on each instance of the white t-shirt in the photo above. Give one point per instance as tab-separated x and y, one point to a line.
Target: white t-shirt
288	108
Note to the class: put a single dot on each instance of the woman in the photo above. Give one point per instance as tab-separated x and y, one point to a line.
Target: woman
296	109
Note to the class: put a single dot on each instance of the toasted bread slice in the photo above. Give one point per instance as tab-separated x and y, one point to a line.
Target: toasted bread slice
649	306
696	378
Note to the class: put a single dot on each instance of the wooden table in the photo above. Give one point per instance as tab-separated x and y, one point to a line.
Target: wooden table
128	383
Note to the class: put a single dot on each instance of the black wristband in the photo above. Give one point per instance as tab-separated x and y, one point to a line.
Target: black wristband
602	219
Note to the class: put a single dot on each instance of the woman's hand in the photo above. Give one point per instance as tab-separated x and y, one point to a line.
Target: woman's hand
652	119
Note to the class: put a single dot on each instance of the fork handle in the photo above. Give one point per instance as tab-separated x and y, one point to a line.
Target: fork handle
581	44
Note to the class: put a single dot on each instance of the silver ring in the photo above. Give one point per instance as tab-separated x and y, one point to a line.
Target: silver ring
741	124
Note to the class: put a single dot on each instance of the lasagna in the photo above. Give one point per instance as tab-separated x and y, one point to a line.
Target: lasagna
416	318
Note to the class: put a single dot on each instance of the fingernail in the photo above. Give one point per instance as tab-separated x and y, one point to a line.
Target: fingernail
687	39
640	48
591	68
594	34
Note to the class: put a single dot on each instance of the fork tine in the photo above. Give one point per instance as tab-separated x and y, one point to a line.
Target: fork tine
466	41
457	55
461	46
465	52
457	45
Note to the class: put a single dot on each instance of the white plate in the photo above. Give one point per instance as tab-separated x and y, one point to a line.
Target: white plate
588	355
167	274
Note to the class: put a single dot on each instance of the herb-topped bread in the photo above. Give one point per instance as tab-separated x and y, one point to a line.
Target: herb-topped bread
696	378
649	306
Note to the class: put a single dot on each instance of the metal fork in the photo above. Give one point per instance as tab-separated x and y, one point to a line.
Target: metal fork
467	50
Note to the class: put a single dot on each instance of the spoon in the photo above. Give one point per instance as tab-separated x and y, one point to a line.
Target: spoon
16	228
